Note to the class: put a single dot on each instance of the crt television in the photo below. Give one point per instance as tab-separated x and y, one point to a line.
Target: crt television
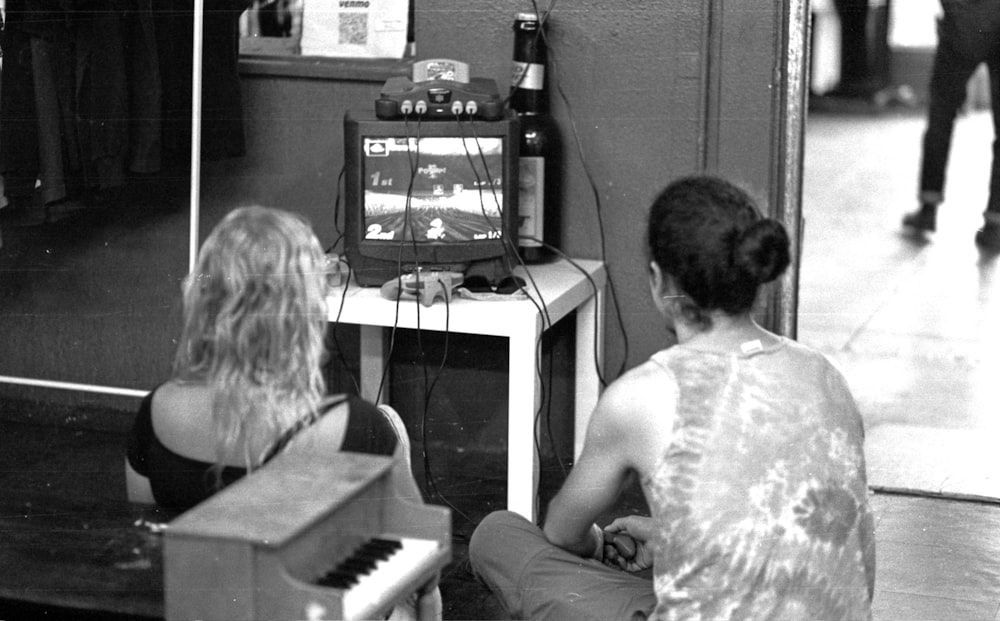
428	195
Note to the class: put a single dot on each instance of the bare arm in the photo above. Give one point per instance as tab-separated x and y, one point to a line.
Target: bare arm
622	439
137	487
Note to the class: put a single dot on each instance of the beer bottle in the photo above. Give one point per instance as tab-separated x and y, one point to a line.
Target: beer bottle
540	144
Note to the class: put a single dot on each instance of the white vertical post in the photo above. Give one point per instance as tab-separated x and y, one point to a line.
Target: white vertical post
195	211
524	399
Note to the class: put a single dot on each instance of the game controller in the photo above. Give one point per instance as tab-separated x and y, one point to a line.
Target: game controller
336	270
439	99
620	549
624	544
424	286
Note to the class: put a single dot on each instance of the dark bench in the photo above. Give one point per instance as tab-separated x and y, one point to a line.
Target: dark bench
71	545
67	557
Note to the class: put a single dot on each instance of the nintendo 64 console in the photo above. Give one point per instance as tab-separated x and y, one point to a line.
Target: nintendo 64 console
440	89
439	99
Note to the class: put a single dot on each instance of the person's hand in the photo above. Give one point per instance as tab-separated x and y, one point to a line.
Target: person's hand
627	543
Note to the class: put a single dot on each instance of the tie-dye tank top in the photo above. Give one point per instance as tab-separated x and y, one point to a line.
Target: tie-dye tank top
762	494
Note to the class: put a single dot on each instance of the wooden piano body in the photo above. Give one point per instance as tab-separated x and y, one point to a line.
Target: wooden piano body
256	549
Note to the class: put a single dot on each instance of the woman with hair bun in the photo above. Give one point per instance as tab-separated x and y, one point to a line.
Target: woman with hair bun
748	448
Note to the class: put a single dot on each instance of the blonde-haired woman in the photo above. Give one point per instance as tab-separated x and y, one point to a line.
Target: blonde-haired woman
247	381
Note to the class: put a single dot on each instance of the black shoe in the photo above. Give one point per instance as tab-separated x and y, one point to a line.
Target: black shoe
988	237
923	219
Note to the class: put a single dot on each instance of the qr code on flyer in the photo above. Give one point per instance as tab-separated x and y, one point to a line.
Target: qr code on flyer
353	29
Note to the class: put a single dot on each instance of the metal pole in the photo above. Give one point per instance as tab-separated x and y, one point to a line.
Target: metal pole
106	390
195	210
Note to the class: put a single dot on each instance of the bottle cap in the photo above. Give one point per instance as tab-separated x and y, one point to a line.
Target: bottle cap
526	16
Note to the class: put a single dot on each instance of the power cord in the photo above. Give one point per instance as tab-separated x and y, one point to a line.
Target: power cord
429	384
612	289
545	398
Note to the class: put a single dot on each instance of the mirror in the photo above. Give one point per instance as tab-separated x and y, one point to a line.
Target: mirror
95	233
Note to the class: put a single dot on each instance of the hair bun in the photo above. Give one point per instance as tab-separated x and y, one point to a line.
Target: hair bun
762	250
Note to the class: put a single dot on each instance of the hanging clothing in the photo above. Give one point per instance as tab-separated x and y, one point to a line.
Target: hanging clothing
221	98
97	89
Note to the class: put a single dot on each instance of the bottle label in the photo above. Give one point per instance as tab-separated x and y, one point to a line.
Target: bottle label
531	201
528	75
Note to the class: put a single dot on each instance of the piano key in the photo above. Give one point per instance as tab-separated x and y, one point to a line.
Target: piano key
400	560
347	573
338	580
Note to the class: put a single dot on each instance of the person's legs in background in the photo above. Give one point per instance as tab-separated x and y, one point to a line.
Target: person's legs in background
534	579
854	75
950	74
988	237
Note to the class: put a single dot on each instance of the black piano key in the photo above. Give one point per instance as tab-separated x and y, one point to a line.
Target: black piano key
338	579
357	565
390	544
349	571
371	552
370	555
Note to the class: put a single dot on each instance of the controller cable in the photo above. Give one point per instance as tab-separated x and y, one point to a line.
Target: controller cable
545	398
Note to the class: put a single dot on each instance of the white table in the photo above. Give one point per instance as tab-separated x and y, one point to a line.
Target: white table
562	287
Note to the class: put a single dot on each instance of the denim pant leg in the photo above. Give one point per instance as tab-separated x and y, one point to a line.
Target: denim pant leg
536	580
993	205
949	76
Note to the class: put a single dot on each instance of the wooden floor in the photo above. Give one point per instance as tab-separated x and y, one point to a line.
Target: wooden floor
938	559
913	323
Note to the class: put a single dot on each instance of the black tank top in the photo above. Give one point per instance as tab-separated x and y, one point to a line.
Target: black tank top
179	483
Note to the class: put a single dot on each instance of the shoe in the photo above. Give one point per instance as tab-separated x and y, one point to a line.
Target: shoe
988	237
923	219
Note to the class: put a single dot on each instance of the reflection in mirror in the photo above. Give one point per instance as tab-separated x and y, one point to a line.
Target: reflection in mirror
272	18
274	27
95	154
271	27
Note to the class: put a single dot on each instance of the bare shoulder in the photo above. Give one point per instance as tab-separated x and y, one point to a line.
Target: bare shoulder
644	391
636	413
182	419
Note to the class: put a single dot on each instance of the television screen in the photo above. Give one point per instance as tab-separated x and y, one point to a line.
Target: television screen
432	195
434	189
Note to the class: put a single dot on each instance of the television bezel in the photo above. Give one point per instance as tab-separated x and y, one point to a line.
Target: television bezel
376	261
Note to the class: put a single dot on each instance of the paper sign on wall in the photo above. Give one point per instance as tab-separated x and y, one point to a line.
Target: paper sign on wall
354	28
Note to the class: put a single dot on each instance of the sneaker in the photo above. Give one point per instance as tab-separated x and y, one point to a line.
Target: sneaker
923	219
988	237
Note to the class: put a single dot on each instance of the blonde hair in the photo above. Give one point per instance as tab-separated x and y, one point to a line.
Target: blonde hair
254	325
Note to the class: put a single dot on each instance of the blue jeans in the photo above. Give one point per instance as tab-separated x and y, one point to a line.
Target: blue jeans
968	35
534	579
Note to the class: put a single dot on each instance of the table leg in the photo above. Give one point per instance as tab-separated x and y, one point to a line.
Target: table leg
372	364
524	397
589	354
